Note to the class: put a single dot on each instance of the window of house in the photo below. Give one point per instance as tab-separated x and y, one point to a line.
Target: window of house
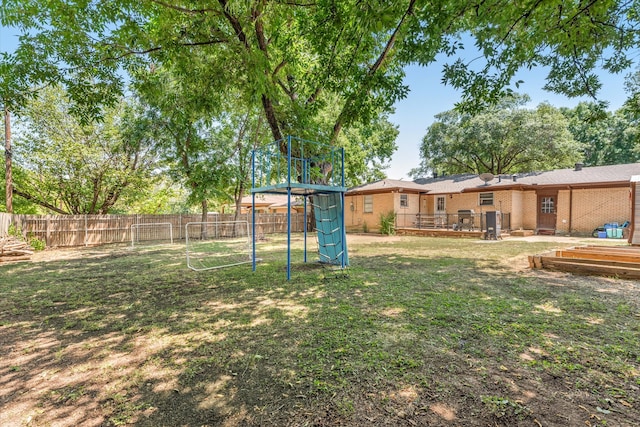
404	201
547	205
440	206
486	199
368	204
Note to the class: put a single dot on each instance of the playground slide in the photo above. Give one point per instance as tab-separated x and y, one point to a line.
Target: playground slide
331	235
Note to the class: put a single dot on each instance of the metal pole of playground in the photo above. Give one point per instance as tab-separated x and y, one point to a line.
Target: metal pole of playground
304	226
253	210
344	232
289	207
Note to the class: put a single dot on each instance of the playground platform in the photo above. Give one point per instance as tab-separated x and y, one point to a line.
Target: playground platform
312	170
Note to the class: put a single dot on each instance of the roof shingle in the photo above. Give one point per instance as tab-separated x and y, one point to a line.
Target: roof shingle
586	176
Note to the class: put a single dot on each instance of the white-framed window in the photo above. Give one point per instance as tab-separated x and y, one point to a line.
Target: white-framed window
440	204
368	204
404	201
485	199
547	205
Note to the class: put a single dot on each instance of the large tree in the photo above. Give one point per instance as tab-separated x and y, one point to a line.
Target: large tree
606	137
205	147
503	139
70	167
291	56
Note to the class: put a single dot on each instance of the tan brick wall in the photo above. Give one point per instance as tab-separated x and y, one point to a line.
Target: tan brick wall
562	212
461	201
502	201
517	203
356	218
591	208
353	206
405	217
529	210
457	201
595	207
428	204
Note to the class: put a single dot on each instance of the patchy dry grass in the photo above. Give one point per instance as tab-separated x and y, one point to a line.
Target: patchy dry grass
419	331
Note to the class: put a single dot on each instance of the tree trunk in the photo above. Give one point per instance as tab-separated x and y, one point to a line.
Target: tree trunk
203	218
7	154
238	201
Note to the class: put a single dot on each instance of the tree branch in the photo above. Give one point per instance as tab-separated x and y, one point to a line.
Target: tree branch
522	17
293	3
39	202
279	67
267	103
181	9
314	96
129	52
372	70
235	24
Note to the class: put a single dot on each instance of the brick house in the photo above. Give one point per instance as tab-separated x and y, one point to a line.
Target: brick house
271	203
562	201
365	204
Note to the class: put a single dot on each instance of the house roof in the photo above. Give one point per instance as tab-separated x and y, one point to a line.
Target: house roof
595	176
387	186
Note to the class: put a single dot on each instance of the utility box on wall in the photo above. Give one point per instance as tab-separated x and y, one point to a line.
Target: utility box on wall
494	225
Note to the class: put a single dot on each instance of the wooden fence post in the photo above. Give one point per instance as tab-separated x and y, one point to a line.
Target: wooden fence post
47	231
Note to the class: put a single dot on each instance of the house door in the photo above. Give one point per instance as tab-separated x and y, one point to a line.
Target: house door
440	217
547	209
441	207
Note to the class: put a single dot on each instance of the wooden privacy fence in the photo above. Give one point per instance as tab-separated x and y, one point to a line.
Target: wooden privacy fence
88	230
5	221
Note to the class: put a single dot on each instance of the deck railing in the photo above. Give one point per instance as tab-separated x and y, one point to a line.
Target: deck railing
444	221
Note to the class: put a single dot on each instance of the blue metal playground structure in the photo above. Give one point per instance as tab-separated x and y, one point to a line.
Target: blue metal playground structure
297	167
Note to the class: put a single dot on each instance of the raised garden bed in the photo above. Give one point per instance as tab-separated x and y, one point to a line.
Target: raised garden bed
618	261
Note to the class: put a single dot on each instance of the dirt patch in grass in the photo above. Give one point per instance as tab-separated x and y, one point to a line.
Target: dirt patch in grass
418	331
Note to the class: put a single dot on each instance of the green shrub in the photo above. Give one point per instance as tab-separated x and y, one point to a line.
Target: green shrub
36	243
15	232
387	223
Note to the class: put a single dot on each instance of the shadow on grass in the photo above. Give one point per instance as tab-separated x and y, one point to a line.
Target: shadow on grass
135	338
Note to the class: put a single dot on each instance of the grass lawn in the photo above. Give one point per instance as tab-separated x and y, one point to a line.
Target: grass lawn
418	331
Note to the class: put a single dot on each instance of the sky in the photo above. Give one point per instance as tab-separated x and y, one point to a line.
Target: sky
428	97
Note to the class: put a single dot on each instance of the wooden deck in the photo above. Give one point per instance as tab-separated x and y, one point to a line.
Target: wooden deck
615	261
435	232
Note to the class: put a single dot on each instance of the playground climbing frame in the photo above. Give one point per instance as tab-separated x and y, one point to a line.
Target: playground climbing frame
298	167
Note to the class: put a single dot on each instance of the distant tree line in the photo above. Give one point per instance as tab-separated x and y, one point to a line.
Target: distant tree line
508	137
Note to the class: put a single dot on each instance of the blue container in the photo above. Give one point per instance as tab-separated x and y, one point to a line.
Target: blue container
602	234
611	229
